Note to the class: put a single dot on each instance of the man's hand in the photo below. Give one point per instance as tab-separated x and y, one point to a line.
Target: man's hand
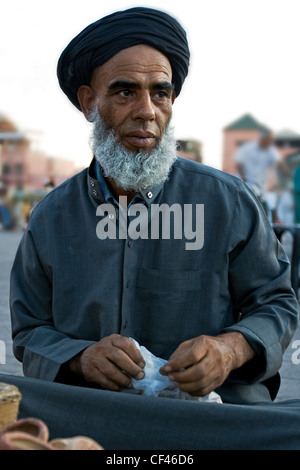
110	363
200	365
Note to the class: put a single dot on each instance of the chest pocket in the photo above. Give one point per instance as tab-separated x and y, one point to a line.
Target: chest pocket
167	308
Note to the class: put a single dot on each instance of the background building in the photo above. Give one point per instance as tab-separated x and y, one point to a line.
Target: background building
22	166
27	174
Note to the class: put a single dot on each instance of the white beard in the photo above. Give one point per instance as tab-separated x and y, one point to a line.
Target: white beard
132	171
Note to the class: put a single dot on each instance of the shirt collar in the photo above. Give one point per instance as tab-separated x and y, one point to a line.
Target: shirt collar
108	195
100	191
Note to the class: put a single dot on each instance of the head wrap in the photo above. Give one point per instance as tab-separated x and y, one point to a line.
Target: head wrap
101	40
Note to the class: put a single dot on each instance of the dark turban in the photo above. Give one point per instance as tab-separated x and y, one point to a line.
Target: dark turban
101	40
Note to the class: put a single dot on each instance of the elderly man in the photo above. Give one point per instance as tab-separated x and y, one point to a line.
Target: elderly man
221	311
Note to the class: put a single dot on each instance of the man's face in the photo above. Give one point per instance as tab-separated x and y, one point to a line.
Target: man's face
134	95
267	140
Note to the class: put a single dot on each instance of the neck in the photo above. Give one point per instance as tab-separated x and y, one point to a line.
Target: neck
117	191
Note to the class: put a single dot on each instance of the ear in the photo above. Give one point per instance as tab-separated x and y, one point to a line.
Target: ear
86	98
173	97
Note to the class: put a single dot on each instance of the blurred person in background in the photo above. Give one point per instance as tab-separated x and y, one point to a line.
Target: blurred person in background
5	215
255	163
286	206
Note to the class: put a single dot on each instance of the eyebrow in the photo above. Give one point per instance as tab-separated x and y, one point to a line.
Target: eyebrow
128	85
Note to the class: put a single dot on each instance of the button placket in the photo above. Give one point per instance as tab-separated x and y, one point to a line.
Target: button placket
131	262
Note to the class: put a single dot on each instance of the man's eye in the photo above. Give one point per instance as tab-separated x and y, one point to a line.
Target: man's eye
124	93
162	94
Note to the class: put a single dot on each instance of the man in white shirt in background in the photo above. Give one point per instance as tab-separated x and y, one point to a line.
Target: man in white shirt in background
255	162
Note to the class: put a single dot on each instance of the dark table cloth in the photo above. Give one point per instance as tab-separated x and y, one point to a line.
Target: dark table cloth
121	421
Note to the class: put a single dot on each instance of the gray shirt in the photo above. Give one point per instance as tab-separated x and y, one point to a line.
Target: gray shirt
69	288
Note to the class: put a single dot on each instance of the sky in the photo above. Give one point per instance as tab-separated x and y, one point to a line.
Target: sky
244	59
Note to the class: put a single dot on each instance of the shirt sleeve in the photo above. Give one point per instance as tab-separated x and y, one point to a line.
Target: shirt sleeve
36	342
259	279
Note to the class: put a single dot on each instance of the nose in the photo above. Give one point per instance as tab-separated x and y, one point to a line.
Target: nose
144	108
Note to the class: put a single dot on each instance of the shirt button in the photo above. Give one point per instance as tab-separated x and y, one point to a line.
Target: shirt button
149	195
111	216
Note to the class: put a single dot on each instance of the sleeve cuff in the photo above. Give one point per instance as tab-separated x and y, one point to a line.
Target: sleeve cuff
47	368
258	369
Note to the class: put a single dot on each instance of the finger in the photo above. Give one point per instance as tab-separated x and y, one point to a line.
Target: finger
123	362
128	347
96	367
181	348
109	361
186	358
196	372
110	376
200	387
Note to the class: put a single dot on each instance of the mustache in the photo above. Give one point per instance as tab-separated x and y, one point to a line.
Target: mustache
104	130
